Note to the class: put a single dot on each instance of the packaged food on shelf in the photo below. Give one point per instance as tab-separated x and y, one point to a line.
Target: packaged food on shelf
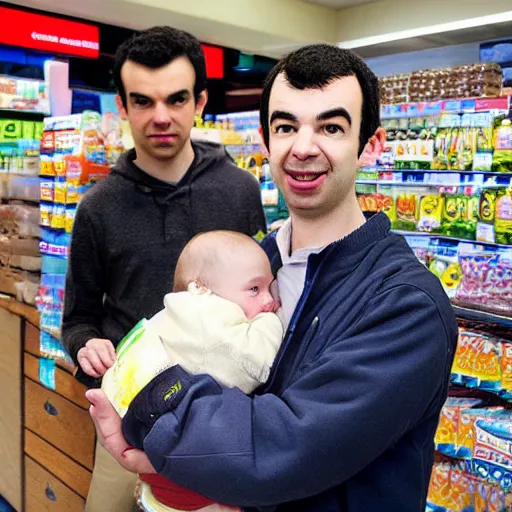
19	246
503	216
76	152
457	487
22	188
486	216
19	220
430	214
20	157
30	263
486	279
19	283
50	303
479	435
502	158
394	88
483	361
448	428
459	216
425	85
443	261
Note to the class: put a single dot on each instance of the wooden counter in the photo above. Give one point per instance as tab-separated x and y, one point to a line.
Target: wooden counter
46	437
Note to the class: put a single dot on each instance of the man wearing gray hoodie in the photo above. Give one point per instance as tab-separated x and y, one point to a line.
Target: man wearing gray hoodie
130	228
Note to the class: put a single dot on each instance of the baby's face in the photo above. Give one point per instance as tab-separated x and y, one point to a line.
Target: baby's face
246	281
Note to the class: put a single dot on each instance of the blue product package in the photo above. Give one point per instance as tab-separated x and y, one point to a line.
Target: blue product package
492	456
47	373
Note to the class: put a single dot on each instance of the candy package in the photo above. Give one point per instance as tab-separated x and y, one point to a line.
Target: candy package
477	361
486	216
430	212
492	457
486	282
444	263
502	158
447	431
503	216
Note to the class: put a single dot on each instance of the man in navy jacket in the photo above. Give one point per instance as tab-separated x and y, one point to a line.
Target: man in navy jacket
347	419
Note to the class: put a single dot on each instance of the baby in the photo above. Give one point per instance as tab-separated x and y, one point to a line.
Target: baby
220	320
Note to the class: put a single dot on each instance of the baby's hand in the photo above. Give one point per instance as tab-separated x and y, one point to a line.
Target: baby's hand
96	357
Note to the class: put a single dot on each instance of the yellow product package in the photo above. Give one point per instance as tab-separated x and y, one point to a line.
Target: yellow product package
140	357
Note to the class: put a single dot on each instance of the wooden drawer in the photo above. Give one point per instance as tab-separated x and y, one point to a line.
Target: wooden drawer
65	384
68	471
60	422
44	492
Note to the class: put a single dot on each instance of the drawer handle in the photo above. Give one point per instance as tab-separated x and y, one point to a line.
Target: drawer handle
50	409
49	493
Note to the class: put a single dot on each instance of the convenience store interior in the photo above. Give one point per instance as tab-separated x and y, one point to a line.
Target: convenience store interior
444	180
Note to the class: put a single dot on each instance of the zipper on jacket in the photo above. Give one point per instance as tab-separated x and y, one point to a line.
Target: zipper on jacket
310	333
295	317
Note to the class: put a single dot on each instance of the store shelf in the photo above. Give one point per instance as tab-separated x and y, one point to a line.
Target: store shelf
473	315
430	183
435	108
371	170
451	238
22	115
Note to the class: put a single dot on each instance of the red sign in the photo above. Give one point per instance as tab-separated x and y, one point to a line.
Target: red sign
214	61
486	104
48	34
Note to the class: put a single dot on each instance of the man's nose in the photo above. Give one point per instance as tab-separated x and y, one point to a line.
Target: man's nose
161	115
304	145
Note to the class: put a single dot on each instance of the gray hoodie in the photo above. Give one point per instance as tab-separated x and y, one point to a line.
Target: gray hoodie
129	231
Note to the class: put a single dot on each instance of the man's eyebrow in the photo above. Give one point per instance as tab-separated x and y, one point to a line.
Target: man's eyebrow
139	96
281	114
172	96
335	112
182	93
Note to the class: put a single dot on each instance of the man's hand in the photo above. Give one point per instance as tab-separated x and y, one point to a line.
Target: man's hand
108	427
96	357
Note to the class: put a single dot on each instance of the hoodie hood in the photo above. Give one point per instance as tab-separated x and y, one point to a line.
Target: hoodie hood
207	155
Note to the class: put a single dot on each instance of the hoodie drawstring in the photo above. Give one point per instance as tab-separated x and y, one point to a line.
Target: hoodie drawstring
190	210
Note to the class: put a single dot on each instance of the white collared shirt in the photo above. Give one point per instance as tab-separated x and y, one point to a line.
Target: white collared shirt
292	275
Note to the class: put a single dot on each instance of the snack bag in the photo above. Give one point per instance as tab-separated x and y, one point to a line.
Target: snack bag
502	159
503	216
466	432
493	450
451	214
406	208
495	500
140	357
506	369
439	488
481	493
447	431
478	357
376	203
430	212
461	489
486	214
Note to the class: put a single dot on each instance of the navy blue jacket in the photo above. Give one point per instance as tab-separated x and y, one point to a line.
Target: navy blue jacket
347	419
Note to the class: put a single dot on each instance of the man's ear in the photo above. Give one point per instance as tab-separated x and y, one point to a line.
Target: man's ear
260	131
201	102
373	149
122	110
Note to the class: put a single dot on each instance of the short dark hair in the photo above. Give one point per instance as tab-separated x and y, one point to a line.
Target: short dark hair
155	48
318	65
